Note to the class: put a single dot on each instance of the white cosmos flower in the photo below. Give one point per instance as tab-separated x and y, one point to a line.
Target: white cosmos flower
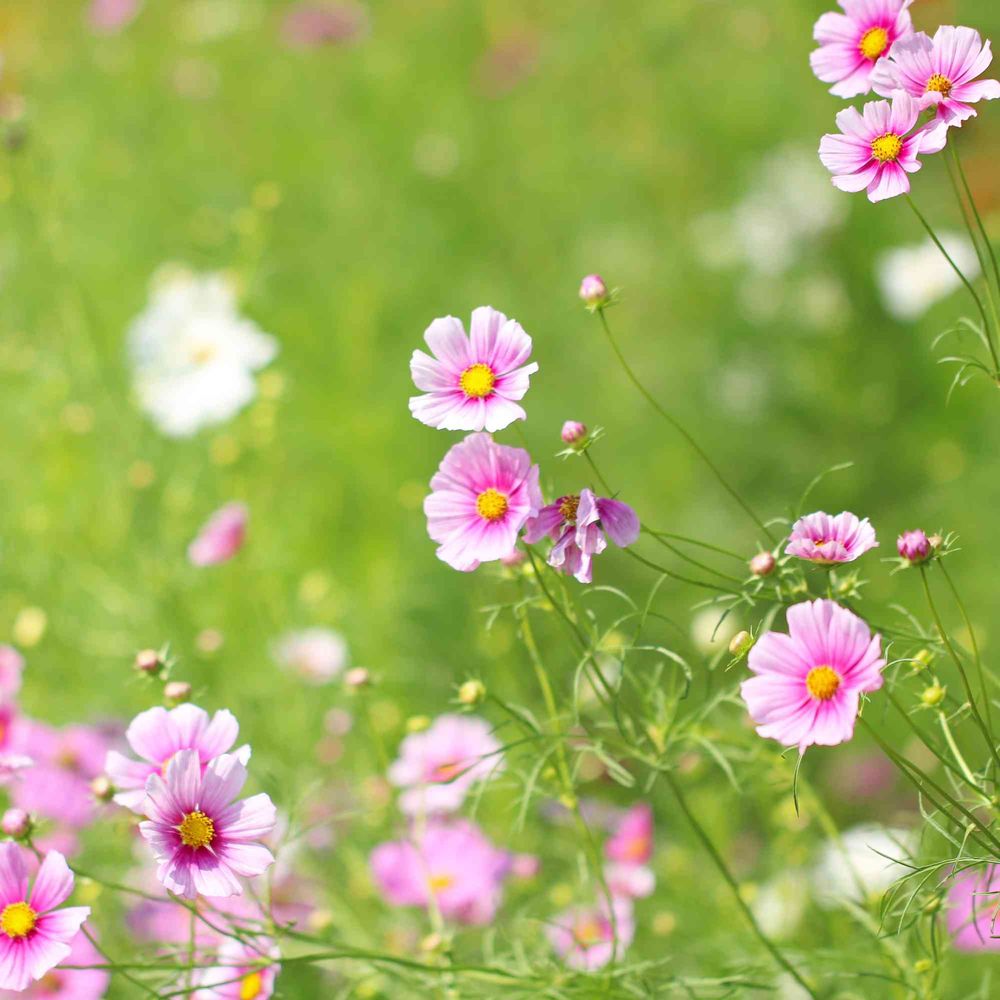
912	278
858	867
194	356
317	655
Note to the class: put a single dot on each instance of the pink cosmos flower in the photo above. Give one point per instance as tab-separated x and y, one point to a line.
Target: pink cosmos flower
481	496
453	862
939	73
852	43
34	936
578	525
439	765
157	735
11	669
973	900
824	539
221	537
317	655
585	938
245	972
109	16
628	881
632	840
474	383
70	984
203	840
914	546
808	683
877	147
309	25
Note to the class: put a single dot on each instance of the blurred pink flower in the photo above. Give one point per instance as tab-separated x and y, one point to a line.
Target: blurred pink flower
973	900
632	840
851	43
317	655
203	840
585	938
109	16
438	766
472	383
34	936
504	65
629	881
157	735
821	538
11	669
808	683
309	25
247	970
221	537
578	524
877	148
70	984
480	497
453	862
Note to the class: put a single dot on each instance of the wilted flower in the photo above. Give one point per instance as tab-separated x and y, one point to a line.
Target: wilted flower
826	539
317	655
203	840
585	937
247	970
472	383
852	43
973	899
860	864
221	537
480	498
913	546
808	683
438	765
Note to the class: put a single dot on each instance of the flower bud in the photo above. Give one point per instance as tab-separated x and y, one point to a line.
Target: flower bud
593	291
913	546
417	723
16	823
762	564
936	541
923	965
147	661
922	659
357	678
740	643
102	789
472	692
177	691
933	695
574	433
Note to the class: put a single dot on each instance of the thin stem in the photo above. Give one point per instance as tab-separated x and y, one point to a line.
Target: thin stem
975	212
734	887
99	948
949	738
677	426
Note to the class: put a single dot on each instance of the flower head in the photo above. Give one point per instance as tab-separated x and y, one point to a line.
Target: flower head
632	840
67	983
472	383
586	938
247	970
826	539
480	497
157	735
203	840
317	655
453	863
861	864
877	148
850	44
439	765
972	909
221	537
913	546
808	683
34	936
628	881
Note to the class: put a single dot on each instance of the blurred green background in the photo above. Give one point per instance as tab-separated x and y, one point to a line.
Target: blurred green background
456	154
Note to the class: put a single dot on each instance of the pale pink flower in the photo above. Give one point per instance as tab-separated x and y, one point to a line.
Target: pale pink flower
452	862
826	539
973	900
939	73
438	766
593	291
877	148
203	840
157	735
585	937
34	936
913	546
629	881
317	655
11	766
852	43
808	683
70	984
632	840
578	524
109	16
480	497
472	383
247	970
309	25
221	537
11	669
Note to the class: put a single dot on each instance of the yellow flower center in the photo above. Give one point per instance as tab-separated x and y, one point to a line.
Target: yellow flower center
491	504
251	986
886	148
197	829
939	84
477	381
873	43
822	683
445	772
568	507
587	933
439	883
637	848
17	920
201	354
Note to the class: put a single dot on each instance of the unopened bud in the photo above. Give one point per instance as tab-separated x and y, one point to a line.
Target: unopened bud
762	564
16	823
932	905
913	546
936	541
593	291
922	659
573	432
417	723
472	692
923	965
933	695
147	661
357	678
740	643
177	691
102	789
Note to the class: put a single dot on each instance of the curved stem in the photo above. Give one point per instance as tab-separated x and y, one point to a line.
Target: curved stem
975	212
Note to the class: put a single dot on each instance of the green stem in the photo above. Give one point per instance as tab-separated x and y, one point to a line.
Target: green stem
979	222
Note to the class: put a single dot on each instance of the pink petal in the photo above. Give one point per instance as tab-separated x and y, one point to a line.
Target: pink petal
53	883
13	874
447	341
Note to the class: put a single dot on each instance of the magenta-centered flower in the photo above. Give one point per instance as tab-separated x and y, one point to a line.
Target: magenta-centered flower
939	73
972	910
34	935
852	43
221	537
480	497
877	148
203	840
632	840
827	539
808	683
578	523
157	735
472	383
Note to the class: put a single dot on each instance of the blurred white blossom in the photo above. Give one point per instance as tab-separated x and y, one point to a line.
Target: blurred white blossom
912	278
862	864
